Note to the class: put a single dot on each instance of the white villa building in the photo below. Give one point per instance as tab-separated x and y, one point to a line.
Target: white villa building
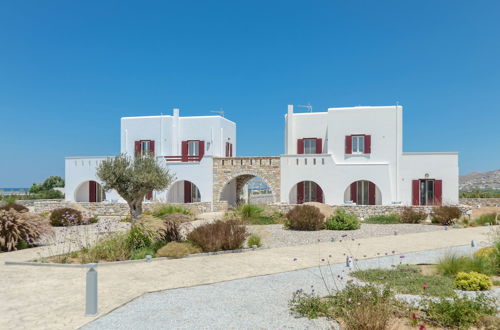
343	156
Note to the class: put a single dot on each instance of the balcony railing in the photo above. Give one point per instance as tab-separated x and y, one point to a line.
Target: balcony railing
183	159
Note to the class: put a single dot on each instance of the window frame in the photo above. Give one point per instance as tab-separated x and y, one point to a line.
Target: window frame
423	194
358	138
194	142
312	141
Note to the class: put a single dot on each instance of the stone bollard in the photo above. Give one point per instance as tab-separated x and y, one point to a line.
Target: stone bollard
91	291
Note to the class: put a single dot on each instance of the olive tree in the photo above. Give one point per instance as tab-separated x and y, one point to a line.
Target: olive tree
133	178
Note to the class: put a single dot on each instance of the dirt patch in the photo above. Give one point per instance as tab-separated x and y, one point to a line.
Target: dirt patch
477	212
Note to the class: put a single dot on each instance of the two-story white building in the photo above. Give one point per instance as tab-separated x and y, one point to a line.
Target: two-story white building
184	145
342	156
355	155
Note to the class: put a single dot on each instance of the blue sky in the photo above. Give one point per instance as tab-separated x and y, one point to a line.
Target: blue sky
70	69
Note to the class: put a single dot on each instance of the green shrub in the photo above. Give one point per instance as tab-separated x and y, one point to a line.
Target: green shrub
219	235
411	215
472	281
459	311
20	229
308	305
484	252
383	219
305	217
445	215
491	218
451	265
254	239
249	211
342	220
138	238
14	206
141	253
162	210
93	219
113	248
66	216
177	250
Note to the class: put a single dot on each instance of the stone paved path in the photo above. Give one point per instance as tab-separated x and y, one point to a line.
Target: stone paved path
53	298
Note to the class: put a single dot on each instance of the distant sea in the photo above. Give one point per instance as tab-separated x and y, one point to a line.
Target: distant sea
8	191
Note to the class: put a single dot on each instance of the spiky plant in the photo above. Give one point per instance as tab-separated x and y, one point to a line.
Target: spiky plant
18	227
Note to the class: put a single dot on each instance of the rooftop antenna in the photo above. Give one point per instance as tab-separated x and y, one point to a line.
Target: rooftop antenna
220	111
308	107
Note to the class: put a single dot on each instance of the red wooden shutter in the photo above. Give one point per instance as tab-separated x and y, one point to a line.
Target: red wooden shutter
184	150
371	193
201	147
149	196
152	148
348	144
227	149
300	146
92	191
300	192
354	192
415	191
319	193
319	146
368	144
438	192
230	150
187	192
137	148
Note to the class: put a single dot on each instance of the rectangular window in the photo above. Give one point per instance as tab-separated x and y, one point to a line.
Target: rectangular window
195	194
362	192
358	144
145	147
309	146
193	148
426	192
229	149
310	191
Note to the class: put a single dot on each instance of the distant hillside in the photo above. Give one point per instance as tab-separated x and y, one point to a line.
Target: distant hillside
478	180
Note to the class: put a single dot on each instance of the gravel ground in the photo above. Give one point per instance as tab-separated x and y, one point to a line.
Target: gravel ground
252	303
276	236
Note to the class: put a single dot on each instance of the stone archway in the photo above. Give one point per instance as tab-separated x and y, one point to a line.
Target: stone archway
89	191
242	169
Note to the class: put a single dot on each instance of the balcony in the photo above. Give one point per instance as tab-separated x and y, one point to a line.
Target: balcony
183	159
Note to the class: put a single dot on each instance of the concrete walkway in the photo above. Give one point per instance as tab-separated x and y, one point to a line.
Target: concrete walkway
53	298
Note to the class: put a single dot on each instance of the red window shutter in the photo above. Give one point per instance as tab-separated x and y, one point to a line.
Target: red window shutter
300	146
149	196
137	148
371	193
415	191
319	193
230	150
354	192
319	146
184	150
348	144
201	146
187	192
227	149
368	144
438	192
152	148
300	192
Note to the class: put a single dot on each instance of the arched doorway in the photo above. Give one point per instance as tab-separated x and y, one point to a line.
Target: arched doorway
90	191
363	192
306	191
183	191
247	189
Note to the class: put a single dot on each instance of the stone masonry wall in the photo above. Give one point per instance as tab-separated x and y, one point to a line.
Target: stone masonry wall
267	168
366	211
480	201
120	209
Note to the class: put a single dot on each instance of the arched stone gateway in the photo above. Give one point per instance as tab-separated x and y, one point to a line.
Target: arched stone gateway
231	174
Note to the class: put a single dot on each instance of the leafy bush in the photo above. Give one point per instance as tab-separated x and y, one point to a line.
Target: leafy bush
309	305
249	211
162	210
305	217
20	229
383	219
460	311
93	219
254	239
113	248
14	206
412	215
491	218
138	238
141	253
484	252
66	216
445	215
364	307
451	265
219	235
472	281
172	232
342	220
177	250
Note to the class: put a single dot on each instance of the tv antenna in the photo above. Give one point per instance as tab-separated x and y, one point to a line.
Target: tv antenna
220	112
308	107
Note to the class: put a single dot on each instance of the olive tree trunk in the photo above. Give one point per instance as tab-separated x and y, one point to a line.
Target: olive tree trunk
135	210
